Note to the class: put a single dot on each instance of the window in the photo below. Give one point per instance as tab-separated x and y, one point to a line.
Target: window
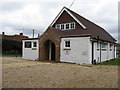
104	45
67	43
62	26
72	25
27	44
111	45
58	26
34	44
98	45
67	26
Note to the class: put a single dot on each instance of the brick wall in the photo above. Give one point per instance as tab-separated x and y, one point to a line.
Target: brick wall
49	35
66	18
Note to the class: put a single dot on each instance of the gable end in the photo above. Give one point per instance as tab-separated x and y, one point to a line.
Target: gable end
61	12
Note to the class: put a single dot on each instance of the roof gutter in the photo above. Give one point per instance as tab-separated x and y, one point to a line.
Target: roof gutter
97	39
84	35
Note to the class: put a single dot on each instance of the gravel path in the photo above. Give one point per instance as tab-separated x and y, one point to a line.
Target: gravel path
19	73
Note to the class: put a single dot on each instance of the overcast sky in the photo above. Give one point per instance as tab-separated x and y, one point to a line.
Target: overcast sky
22	16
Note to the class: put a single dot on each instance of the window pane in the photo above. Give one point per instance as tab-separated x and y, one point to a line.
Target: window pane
67	43
104	45
98	45
111	45
72	25
34	44
62	26
27	44
67	26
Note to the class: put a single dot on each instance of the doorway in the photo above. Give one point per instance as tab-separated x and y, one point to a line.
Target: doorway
50	50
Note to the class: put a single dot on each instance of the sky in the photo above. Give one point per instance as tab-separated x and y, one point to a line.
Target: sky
22	16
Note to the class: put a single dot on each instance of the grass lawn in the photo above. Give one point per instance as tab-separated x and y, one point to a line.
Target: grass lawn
115	62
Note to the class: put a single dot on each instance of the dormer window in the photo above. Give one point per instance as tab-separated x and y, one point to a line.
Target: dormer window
66	26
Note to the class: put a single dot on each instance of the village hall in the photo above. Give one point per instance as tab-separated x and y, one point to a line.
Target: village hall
71	38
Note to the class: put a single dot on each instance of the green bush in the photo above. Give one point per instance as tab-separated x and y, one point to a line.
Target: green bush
11	47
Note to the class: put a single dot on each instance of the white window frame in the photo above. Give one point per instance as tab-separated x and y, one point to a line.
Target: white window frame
105	46
64	24
110	46
71	25
98	45
27	42
67	45
33	44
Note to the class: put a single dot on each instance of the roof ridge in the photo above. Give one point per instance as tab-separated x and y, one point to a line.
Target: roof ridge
83	17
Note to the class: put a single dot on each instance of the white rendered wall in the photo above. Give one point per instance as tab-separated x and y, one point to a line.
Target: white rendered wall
96	53
105	55
30	53
111	53
79	51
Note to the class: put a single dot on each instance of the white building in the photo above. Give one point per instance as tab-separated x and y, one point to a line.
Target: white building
30	49
72	38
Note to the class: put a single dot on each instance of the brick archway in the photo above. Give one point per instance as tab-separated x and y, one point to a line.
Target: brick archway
49	35
45	50
49	50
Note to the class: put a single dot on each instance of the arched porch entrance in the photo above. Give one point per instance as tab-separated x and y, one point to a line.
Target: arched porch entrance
49	44
50	50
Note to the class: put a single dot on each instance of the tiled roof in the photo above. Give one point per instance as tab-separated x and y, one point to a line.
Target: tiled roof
92	29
